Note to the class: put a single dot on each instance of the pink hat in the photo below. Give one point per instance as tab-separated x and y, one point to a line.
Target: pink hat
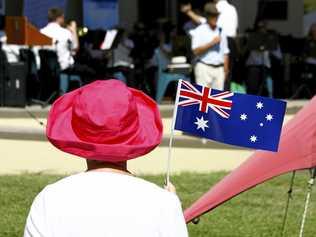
105	120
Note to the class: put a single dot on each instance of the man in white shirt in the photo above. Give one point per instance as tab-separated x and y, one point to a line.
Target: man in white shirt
107	123
210	46
64	41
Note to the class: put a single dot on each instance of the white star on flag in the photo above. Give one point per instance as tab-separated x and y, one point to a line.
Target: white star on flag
269	117
253	138
201	123
243	117
259	105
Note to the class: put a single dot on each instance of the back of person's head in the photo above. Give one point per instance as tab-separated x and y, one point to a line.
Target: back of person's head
54	14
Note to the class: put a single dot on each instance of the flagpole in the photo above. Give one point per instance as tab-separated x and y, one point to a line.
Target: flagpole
172	132
310	186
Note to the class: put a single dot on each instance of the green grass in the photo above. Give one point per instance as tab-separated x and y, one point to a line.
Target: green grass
257	212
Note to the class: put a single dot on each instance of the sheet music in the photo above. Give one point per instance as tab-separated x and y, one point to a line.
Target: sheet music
109	39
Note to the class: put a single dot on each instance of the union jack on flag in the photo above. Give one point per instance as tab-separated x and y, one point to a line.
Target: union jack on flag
206	98
231	118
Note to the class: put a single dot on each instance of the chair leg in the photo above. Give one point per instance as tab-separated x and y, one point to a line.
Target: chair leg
63	83
161	90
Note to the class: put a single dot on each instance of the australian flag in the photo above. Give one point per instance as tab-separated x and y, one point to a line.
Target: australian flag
231	118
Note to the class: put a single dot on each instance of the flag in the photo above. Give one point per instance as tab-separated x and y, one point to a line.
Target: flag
227	117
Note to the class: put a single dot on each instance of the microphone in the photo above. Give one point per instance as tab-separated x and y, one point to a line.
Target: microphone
69	45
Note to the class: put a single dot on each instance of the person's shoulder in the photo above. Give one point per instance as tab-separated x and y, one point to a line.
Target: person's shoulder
146	185
44	29
65	32
63	183
152	189
200	28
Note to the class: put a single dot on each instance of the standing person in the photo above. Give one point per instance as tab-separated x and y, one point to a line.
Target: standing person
228	22
228	18
120	59
258	63
66	44
65	40
210	46
107	123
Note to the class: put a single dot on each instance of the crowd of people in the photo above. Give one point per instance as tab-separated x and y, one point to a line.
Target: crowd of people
209	40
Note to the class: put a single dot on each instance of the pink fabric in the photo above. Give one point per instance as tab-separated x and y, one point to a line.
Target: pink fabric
297	151
105	120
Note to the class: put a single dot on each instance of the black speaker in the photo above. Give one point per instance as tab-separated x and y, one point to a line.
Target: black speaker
15	85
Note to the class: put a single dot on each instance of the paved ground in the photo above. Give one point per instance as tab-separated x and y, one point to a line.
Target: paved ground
18	156
24	149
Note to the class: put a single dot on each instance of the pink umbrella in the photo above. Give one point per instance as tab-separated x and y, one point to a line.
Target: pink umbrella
297	151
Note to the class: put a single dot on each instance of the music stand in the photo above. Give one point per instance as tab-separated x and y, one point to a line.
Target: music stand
262	41
111	41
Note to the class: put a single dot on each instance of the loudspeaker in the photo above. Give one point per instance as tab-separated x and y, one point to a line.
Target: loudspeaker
15	85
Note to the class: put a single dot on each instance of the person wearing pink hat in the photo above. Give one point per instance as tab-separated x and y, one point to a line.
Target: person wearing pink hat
108	124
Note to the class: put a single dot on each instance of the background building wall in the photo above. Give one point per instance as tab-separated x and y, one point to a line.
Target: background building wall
247	10
74	11
14	7
128	13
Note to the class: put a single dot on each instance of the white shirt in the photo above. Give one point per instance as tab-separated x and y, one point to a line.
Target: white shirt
227	20
121	55
63	42
258	58
203	35
105	204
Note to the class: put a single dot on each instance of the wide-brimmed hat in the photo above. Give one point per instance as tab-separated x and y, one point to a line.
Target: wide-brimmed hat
105	120
210	9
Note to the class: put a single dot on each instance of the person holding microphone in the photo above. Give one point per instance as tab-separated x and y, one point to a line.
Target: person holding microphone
209	45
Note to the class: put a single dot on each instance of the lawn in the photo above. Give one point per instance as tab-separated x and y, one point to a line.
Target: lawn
257	212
